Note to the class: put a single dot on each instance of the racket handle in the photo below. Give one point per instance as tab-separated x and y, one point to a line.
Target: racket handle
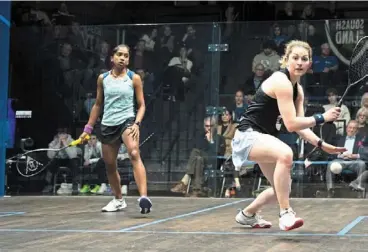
79	141
339	104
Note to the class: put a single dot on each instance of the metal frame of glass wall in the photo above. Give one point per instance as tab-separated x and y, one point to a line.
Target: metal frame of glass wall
4	82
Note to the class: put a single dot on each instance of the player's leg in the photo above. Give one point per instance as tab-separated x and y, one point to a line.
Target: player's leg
271	149
139	170
268	150
249	215
110	152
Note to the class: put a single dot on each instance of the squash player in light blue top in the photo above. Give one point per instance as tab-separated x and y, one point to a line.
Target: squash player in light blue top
116	90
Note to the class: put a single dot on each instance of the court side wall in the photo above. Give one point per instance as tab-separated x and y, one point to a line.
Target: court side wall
4	82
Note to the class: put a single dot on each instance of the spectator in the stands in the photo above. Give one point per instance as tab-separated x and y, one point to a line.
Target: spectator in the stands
364	101
288	13
138	59
354	159
362	119
308	13
253	82
325	62
314	39
190	41
208	146
166	46
345	113
93	160
67	157
178	74
268	57
150	40
240	106
278	38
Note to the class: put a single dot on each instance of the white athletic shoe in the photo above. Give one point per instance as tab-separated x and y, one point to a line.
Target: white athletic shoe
256	221
65	189
289	221
102	189
115	205
145	205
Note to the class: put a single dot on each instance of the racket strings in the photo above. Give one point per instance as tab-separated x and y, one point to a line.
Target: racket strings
358	69
32	163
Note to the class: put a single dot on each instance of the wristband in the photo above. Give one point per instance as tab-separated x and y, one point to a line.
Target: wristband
88	129
319	119
319	143
138	123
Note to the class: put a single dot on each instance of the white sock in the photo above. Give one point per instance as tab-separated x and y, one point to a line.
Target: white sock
185	179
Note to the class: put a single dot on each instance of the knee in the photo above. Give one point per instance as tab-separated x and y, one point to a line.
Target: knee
134	154
110	165
286	157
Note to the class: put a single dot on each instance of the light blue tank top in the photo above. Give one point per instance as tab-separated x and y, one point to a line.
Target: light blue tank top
118	99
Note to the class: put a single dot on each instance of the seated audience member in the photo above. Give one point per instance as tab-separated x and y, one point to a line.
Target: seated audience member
364	101
150	40
227	129
67	157
288	12
178	74
256	79
240	106
345	114
278	38
203	154
268	58
325	62
314	39
361	118
324	69
353	159
93	159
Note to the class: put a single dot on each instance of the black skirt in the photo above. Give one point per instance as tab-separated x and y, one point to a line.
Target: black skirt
111	134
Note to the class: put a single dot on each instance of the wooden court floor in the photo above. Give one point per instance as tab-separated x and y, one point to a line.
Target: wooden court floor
55	223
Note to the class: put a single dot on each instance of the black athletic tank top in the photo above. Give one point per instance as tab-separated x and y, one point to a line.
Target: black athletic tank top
262	113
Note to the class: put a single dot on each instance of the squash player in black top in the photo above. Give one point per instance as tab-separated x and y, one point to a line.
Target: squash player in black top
255	139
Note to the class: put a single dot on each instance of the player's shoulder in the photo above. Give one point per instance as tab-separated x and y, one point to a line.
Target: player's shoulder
103	76
280	80
280	76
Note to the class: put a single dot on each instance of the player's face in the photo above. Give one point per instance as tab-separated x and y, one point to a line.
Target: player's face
299	61
121	57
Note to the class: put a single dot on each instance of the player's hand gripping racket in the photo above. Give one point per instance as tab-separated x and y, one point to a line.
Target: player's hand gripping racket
33	162
358	68
357	73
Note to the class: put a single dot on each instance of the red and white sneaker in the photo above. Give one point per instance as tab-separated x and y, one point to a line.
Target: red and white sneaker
288	221
255	221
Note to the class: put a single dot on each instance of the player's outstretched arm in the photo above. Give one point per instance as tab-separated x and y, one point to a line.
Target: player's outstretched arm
308	134
284	95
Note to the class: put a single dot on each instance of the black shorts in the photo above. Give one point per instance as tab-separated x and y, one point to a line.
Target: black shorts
111	134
